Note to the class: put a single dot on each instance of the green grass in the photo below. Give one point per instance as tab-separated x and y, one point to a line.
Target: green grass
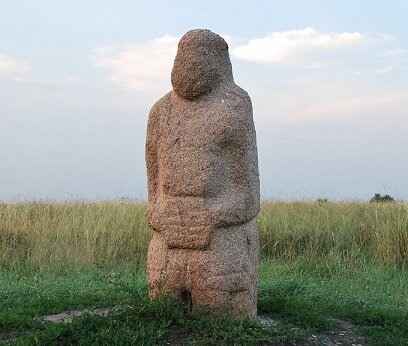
24	299
374	300
320	261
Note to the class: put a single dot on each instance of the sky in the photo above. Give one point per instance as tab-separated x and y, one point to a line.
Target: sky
328	82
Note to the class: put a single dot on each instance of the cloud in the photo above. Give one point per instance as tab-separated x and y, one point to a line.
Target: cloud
142	68
394	59
295	47
386	69
360	105
318	100
8	65
395	52
146	67
54	82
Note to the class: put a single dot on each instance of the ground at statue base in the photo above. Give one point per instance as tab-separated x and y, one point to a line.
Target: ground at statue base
345	335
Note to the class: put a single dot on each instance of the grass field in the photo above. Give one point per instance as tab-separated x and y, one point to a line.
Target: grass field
319	262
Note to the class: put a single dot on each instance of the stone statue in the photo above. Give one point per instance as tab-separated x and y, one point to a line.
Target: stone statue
203	183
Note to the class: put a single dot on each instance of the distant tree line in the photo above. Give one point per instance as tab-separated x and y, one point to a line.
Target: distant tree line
377	198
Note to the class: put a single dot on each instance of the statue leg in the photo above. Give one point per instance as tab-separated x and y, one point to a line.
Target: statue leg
165	268
225	277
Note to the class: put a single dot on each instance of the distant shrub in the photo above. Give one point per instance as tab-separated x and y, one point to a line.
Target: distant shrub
377	198
322	200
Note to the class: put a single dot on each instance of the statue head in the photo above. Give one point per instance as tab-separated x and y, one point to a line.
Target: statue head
202	63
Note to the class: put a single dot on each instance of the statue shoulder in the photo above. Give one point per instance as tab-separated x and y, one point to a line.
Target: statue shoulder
239	103
162	105
243	97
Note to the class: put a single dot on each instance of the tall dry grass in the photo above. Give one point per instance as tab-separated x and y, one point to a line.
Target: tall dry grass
86	234
72	234
368	232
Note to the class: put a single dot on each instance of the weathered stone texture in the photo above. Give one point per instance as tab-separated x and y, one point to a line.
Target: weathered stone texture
203	183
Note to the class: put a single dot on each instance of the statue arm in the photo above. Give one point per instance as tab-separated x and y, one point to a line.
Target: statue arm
152	164
241	203
251	188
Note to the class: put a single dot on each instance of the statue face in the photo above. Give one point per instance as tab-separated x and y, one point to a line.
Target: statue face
201	63
194	76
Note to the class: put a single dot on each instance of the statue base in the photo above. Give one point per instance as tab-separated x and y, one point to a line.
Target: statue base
222	278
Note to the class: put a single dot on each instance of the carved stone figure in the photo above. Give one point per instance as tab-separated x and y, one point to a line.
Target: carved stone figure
203	183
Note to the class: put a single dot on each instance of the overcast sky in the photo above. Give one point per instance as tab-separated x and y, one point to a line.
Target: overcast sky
328	82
